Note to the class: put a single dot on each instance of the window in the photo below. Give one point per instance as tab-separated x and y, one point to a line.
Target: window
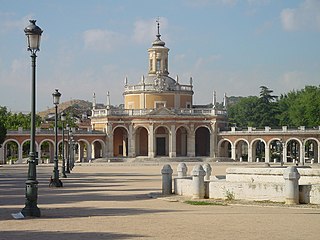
158	67
151	63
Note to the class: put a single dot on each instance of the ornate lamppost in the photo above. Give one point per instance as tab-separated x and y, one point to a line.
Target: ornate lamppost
63	168
33	33
56	182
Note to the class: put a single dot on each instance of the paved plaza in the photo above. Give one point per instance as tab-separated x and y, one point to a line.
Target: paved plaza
112	201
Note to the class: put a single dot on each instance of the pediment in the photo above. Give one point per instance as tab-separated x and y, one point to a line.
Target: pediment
162	112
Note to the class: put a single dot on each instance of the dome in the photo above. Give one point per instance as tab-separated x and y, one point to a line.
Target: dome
161	82
158	42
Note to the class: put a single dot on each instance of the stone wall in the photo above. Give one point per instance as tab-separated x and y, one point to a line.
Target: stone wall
290	185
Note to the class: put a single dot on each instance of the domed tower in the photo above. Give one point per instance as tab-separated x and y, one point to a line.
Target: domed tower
158	89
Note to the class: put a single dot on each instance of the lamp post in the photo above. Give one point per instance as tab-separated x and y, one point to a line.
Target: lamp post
63	119
56	182
33	33
68	149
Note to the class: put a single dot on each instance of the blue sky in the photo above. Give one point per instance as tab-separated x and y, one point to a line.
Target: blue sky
230	46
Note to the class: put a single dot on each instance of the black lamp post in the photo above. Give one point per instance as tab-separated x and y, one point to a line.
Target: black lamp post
63	119
33	33
56	182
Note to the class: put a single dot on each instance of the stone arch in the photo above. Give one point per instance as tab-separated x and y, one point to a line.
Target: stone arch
120	141
46	150
98	149
25	149
182	133
83	149
12	151
276	149
311	150
202	141
241	149
161	135
258	148
141	141
293	150
225	148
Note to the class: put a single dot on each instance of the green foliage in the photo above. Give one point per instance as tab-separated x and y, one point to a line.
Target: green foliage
230	196
296	108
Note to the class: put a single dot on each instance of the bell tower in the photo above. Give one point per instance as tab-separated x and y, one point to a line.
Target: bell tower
158	56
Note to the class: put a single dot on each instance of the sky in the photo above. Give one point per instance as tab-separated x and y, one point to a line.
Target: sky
227	46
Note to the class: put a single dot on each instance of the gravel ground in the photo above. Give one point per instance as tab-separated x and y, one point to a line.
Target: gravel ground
122	201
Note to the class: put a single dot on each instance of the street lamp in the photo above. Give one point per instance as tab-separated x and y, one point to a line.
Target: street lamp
56	182
63	119
33	33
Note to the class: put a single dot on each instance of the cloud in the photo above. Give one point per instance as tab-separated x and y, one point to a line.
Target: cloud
305	17
9	24
204	3
146	30
293	80
102	40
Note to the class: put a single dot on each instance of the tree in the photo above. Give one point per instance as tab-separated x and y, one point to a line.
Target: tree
300	108
3	130
267	109
242	113
3	133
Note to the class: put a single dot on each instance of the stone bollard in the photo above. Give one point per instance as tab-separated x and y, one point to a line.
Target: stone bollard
240	159
207	168
274	160
312	161
166	179
257	159
291	176
182	170
198	182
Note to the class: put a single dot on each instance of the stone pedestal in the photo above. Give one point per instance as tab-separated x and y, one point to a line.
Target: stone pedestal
166	179
291	176
198	182
207	168
182	170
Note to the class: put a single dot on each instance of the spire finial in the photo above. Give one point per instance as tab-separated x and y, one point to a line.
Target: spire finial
158	26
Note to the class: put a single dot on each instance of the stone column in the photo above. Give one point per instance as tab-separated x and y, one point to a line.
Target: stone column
182	170
166	179
172	142
213	140
267	153
318	153
131	142
302	153
250	153
284	153
20	150
191	142
151	142
291	176
207	168
198	182
233	152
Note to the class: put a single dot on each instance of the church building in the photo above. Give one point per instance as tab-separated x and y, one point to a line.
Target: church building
159	118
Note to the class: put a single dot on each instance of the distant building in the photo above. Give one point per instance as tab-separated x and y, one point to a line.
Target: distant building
158	117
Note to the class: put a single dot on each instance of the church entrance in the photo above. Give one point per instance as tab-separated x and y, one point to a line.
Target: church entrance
161	146
202	140
162	141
